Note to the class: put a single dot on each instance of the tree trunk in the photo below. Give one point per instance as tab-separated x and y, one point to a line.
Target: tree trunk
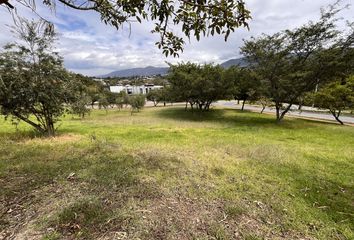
36	126
192	104
206	106
279	118
185	108
50	130
238	101
263	109
339	120
277	109
336	116
243	104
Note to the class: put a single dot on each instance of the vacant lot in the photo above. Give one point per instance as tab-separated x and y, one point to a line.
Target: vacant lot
168	174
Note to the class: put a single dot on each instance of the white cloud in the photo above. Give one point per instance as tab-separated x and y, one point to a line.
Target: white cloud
90	47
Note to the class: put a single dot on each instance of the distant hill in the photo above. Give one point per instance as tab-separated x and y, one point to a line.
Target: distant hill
150	71
242	62
131	72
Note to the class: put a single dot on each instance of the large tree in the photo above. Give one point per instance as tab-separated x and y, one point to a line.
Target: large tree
199	85
34	86
195	18
293	62
245	83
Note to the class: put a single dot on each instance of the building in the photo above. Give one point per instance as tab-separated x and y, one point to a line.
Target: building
131	89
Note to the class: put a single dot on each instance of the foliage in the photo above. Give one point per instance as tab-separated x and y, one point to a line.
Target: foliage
122	99
94	91
265	102
154	96
120	102
103	102
245	83
111	97
137	102
198	85
293	62
336	96
159	95
196	18
80	88
34	86
165	95
79	106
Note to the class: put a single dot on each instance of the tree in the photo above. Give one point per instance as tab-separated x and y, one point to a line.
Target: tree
154	95
136	102
159	95
80	98
103	102
196	18
165	95
245	83
198	85
79	106
34	86
120	102
94	91
293	62
123	99
336	97
111	97
265	102
181	78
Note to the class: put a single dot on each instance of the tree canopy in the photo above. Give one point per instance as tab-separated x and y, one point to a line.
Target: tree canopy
195	18
293	62
34	85
244	82
336	97
198	85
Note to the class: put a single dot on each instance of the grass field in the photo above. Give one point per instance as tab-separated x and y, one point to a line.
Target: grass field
165	173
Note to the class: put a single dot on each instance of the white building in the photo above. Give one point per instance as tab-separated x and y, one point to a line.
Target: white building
130	89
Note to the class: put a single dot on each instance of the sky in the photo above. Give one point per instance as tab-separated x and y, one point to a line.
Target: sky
92	48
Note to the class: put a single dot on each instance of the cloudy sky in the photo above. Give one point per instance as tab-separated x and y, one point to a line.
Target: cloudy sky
92	48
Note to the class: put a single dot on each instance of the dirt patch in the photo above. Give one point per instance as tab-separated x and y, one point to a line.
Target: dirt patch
140	207
22	215
185	218
165	217
65	138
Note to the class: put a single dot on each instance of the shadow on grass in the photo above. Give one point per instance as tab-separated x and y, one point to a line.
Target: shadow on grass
324	195
230	117
100	170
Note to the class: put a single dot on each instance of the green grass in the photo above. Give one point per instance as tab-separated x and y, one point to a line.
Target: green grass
165	173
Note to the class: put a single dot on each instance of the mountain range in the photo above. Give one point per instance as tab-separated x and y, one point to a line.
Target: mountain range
151	71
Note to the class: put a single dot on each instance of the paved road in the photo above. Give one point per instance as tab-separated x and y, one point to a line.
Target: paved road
295	113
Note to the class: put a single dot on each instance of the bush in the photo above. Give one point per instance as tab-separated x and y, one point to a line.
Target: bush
137	102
